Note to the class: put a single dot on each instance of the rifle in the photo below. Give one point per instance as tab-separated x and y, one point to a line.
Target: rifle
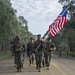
39	44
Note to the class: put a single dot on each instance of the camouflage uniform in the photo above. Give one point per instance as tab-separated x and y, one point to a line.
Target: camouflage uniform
43	53
30	49
23	52
38	53
60	49
18	49
48	50
64	48
67	49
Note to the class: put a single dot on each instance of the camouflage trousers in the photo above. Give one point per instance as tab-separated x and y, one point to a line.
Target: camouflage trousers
47	59
31	59
18	60
38	58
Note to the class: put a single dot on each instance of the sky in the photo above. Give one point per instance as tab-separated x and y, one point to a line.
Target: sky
39	13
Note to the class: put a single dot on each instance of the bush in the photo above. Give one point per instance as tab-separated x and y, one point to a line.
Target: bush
5	54
72	54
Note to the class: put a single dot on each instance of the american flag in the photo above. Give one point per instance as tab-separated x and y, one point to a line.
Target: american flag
58	23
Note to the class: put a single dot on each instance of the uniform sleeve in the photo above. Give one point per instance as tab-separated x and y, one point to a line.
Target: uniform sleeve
24	47
52	46
28	49
35	46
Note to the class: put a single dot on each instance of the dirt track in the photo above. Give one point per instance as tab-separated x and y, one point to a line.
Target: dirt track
59	66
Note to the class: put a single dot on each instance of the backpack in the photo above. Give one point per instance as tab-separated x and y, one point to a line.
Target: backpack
18	47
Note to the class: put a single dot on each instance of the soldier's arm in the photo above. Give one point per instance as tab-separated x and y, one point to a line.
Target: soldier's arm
24	48
28	49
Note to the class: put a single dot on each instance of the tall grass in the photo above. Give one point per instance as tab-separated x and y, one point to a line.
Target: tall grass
5	54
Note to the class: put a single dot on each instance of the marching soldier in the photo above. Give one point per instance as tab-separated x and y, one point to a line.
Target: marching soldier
67	49
48	50
18	49
23	52
38	44
30	48
64	48
43	52
60	49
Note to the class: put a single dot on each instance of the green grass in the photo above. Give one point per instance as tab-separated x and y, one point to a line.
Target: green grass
5	54
72	54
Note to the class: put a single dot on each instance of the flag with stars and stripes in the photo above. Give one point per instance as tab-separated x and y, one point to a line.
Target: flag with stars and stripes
58	23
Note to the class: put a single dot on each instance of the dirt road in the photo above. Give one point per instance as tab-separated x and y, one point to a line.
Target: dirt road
59	66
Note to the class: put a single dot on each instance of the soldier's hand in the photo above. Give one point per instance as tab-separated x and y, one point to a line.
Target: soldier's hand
36	52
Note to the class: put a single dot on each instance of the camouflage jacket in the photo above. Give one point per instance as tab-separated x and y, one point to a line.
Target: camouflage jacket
37	43
18	47
30	46
48	47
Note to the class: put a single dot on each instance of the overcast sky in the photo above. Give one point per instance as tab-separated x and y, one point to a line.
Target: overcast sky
39	13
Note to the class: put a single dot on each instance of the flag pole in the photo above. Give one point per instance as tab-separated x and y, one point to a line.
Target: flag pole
39	44
47	33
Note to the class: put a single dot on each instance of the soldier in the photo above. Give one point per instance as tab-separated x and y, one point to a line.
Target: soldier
38	44
48	50
23	52
43	52
60	49
66	49
18	49
30	48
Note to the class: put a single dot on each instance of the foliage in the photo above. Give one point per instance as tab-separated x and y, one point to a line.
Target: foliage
10	25
71	5
4	55
67	34
72	54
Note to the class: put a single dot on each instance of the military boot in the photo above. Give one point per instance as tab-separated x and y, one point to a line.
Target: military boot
37	67
30	62
20	70
39	70
47	68
17	70
43	63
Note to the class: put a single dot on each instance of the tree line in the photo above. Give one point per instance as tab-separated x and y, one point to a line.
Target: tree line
11	25
67	34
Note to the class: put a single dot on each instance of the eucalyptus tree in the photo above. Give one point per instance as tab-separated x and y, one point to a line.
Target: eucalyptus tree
71	4
8	23
69	30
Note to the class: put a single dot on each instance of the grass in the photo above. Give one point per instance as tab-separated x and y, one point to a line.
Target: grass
72	54
5	54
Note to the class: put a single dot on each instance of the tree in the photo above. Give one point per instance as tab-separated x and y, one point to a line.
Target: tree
8	22
10	25
71	10
67	34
